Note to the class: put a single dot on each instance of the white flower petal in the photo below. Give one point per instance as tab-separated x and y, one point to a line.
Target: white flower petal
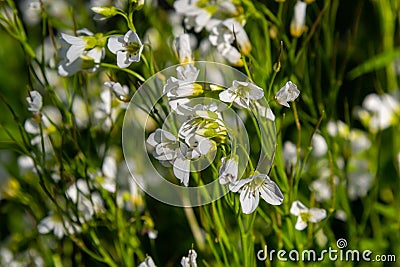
132	37
227	96
271	193
148	262
317	215
46	225
300	224
123	59
34	101
249	200
96	53
73	40
182	170
115	43
109	167
298	207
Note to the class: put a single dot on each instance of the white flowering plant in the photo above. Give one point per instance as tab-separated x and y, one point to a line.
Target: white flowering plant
195	133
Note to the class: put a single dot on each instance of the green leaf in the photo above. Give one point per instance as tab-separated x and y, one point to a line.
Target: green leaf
377	62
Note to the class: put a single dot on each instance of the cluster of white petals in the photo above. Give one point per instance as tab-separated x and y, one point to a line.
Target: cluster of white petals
305	215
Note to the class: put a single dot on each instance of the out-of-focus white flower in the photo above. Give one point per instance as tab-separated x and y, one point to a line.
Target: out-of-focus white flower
230	53
57	225
152	233
25	163
338	128
241	93
109	170
341	215
251	188
198	14
51	117
289	153
121	91
228	172
80	111
359	178
319	145
148	262
320	238
184	85
359	141
297	25
183	48
228	33
82	52
190	260
128	48
88	203
305	215
35	101
106	110
322	187
378	112
287	93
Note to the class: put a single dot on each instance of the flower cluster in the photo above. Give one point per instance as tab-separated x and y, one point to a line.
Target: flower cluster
85	51
223	22
202	130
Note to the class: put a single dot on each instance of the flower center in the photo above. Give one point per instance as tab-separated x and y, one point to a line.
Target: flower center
132	48
305	216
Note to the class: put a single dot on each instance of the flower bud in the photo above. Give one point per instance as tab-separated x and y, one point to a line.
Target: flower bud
106	12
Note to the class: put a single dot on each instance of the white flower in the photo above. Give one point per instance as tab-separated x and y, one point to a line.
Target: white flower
298	22
254	186
55	223
167	148
230	53
306	215
322	187
378	111
183	48
128	48
121	91
287	93
87	203
109	170
360	178
51	117
319	145
148	262
228	33
338	128
35	101
82	52
184	85
228	172
198	145
359	141
196	17
241	93
190	260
